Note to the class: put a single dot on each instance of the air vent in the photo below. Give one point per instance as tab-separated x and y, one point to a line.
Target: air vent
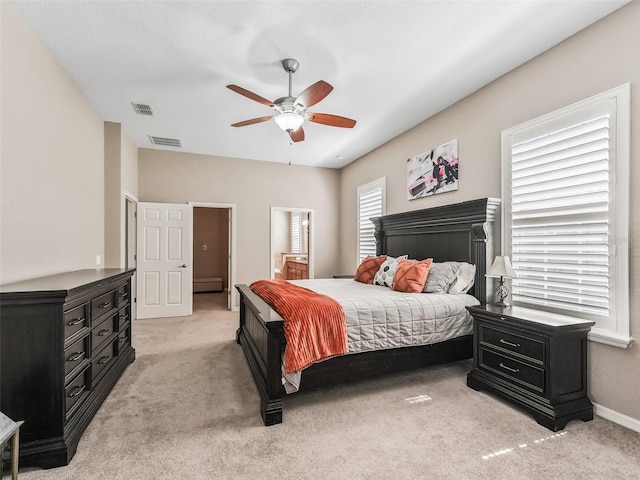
167	142
142	109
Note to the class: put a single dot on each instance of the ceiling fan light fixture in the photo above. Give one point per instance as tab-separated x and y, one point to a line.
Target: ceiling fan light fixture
289	121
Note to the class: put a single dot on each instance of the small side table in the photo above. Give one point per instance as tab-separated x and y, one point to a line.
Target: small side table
10	430
535	359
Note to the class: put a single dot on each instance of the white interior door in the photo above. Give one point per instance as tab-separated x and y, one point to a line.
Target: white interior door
229	260
165	284
131	212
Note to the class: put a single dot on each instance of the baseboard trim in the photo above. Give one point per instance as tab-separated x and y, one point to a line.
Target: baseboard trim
617	417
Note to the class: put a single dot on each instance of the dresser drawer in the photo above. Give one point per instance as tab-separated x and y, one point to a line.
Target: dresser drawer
75	392
123	317
76	355
124	338
514	370
75	320
103	304
103	332
101	361
122	295
513	342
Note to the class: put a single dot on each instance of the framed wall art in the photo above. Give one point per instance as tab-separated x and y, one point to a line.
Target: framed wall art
433	171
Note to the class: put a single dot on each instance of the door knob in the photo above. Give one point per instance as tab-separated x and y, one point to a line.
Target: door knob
182	266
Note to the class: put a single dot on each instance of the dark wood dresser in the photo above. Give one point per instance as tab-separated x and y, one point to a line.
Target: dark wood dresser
65	340
535	359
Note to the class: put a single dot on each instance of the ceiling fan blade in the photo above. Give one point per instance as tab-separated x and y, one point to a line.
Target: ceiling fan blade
252	121
314	94
251	95
298	135
331	120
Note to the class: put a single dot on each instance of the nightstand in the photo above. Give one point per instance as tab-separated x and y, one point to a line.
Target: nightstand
536	360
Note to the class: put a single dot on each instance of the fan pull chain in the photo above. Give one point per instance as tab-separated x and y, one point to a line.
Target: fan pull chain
290	143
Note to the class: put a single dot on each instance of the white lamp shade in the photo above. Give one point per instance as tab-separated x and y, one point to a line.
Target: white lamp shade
289	121
501	268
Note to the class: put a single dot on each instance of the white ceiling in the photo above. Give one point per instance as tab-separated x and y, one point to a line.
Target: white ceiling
392	63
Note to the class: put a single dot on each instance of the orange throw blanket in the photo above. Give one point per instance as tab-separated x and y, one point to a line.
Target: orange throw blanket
314	325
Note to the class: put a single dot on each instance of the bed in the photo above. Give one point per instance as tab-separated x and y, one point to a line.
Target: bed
461	232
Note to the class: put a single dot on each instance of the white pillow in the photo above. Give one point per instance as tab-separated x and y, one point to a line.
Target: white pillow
386	272
465	278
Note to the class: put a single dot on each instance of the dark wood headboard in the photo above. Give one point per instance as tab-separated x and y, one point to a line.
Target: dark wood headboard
461	232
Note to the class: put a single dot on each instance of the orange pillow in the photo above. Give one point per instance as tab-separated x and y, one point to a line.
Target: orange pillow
368	268
411	276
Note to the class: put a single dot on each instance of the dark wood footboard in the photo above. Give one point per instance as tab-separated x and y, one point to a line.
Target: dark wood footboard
261	334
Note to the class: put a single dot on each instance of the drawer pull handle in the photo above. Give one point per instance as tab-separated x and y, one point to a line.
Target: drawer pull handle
75	357
514	370
103	333
124	317
80	389
502	340
104	359
122	295
124	340
75	322
104	305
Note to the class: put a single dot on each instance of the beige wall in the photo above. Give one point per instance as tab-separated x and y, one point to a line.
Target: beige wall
120	178
601	57
211	228
254	187
51	162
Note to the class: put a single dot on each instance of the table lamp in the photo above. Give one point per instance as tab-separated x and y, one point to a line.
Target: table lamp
501	268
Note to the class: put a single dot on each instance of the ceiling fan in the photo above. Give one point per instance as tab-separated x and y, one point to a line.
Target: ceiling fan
291	112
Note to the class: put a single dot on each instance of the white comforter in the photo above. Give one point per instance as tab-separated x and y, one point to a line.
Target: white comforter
380	318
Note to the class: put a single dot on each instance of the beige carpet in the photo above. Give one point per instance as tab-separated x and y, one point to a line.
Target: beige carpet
187	408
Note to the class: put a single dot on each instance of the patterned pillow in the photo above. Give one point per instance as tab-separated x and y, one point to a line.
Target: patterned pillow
368	268
410	276
441	275
384	275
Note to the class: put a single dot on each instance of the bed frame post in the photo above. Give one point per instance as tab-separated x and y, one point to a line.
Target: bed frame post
479	239
261	334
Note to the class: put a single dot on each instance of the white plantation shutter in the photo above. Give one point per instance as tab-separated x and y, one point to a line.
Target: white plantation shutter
295	232
371	200
560	218
566	209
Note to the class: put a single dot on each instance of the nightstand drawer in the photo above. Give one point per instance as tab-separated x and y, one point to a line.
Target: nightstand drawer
528	347
526	375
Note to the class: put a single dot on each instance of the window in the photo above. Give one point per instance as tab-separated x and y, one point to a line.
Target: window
566	212
371	203
295	232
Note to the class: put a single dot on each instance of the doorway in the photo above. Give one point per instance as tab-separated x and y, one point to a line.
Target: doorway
213	252
130	242
292	246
